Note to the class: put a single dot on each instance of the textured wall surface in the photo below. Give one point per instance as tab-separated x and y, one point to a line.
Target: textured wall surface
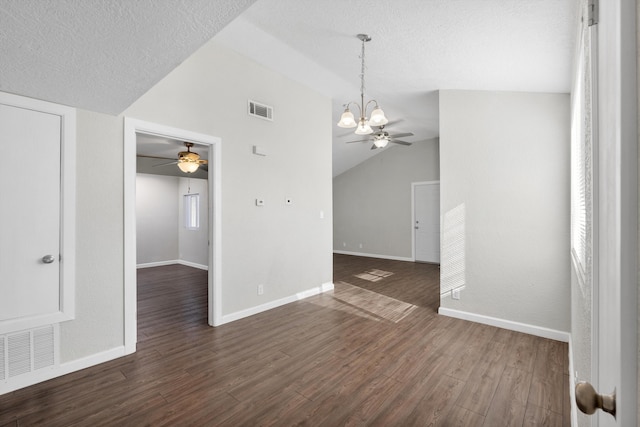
99	322
372	201
194	244
156	218
504	161
286	248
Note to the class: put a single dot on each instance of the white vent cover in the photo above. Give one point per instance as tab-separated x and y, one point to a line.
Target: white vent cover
260	111
27	351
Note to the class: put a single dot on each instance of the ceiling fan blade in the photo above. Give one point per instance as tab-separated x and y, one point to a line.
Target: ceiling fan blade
153	157
175	162
373	147
400	135
395	141
360	140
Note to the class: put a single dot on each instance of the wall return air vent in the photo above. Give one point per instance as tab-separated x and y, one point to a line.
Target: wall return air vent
260	111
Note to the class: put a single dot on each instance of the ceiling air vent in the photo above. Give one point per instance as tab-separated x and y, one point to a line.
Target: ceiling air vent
261	111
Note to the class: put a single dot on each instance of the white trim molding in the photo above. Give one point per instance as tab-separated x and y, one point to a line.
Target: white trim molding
572	386
507	324
172	262
131	128
325	287
395	258
63	369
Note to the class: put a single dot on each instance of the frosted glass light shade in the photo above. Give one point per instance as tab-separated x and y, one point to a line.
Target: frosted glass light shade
188	166
347	120
363	128
380	142
377	117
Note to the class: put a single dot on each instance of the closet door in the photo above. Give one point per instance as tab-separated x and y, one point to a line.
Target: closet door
29	213
36	274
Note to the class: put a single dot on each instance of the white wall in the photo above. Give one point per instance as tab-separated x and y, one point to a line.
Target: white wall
372	201
99	321
193	245
286	248
156	218
504	158
161	234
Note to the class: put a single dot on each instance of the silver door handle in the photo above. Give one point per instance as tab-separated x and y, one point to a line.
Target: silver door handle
48	259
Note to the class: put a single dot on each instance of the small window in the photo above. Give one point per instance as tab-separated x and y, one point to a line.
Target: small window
192	211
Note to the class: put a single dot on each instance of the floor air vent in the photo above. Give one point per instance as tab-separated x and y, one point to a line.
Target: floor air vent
260	111
27	351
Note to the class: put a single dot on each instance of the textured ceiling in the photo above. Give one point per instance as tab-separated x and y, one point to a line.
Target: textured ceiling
418	47
101	55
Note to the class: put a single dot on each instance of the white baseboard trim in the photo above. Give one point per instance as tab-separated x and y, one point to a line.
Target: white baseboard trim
193	264
61	369
325	287
391	257
172	262
92	360
507	324
157	263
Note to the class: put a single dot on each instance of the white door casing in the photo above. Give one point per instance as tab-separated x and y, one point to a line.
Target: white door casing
426	221
37	189
131	128
617	206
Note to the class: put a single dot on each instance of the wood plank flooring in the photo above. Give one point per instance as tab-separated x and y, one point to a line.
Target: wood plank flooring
373	352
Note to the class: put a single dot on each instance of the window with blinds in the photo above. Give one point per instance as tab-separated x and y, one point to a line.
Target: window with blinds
581	163
192	211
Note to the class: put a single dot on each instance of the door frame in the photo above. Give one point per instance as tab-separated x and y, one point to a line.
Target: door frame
614	350
131	128
413	215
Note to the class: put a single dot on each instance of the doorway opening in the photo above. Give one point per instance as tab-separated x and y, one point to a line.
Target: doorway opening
210	144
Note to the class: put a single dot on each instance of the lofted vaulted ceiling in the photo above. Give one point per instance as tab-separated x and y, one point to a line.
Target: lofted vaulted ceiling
102	55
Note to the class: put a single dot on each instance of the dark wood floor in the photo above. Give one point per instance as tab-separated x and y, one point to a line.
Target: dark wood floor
373	352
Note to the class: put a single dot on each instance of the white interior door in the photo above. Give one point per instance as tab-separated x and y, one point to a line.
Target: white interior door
426	205
617	181
29	213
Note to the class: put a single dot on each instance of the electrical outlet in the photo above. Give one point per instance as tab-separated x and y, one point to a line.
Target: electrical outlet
455	293
360	245
260	289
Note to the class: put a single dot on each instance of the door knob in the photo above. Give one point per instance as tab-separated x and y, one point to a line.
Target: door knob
48	259
588	400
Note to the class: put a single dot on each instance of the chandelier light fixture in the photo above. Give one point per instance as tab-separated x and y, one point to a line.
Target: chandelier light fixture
377	118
